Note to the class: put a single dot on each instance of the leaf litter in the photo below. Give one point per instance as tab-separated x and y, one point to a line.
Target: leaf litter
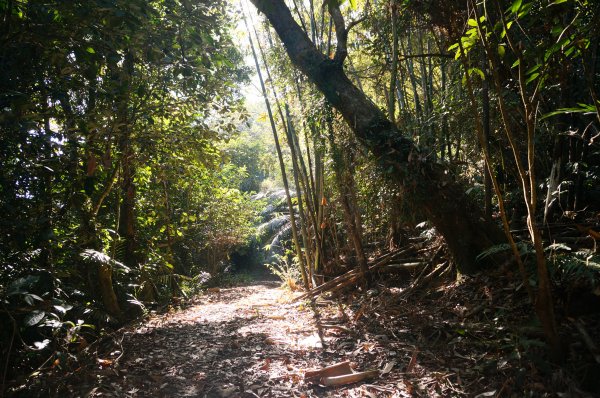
456	339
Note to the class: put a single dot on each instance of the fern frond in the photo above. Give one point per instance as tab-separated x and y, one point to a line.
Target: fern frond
524	248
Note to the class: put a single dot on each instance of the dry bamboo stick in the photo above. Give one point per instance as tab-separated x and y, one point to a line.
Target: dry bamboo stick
348	379
345	279
337	369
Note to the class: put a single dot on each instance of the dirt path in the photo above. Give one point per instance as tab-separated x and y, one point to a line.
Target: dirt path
252	341
241	342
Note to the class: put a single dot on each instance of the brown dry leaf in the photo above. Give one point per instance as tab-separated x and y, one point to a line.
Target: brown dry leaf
359	313
413	361
266	365
271	341
82	344
157	378
388	367
367	393
104	362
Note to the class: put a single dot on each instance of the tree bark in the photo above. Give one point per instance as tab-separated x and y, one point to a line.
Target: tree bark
432	190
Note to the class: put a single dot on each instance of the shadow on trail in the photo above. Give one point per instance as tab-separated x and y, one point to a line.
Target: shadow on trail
245	342
236	344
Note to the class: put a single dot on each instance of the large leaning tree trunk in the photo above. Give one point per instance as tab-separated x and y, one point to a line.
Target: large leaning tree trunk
425	183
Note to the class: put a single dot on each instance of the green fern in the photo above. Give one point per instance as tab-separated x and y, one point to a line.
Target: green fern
523	247
579	267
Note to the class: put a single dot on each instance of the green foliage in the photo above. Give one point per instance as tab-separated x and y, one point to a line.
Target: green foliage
110	162
250	152
523	247
286	269
579	268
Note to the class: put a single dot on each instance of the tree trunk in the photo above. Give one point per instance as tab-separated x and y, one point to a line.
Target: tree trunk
127	211
485	110
109	298
432	191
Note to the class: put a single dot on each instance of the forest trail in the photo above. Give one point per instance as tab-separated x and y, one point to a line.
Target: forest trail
255	341
243	341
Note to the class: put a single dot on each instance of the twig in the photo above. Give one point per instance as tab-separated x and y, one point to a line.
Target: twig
340	327
420	282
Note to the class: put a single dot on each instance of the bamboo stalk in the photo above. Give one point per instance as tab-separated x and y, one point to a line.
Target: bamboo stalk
281	163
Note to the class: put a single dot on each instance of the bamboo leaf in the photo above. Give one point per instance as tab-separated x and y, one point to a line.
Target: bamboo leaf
532	77
516	5
583	108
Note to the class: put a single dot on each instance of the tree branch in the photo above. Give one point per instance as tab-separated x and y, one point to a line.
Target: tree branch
341	34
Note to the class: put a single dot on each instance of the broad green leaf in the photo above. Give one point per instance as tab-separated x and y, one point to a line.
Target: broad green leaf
34	317
30	297
501	51
90	50
17	286
62	309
